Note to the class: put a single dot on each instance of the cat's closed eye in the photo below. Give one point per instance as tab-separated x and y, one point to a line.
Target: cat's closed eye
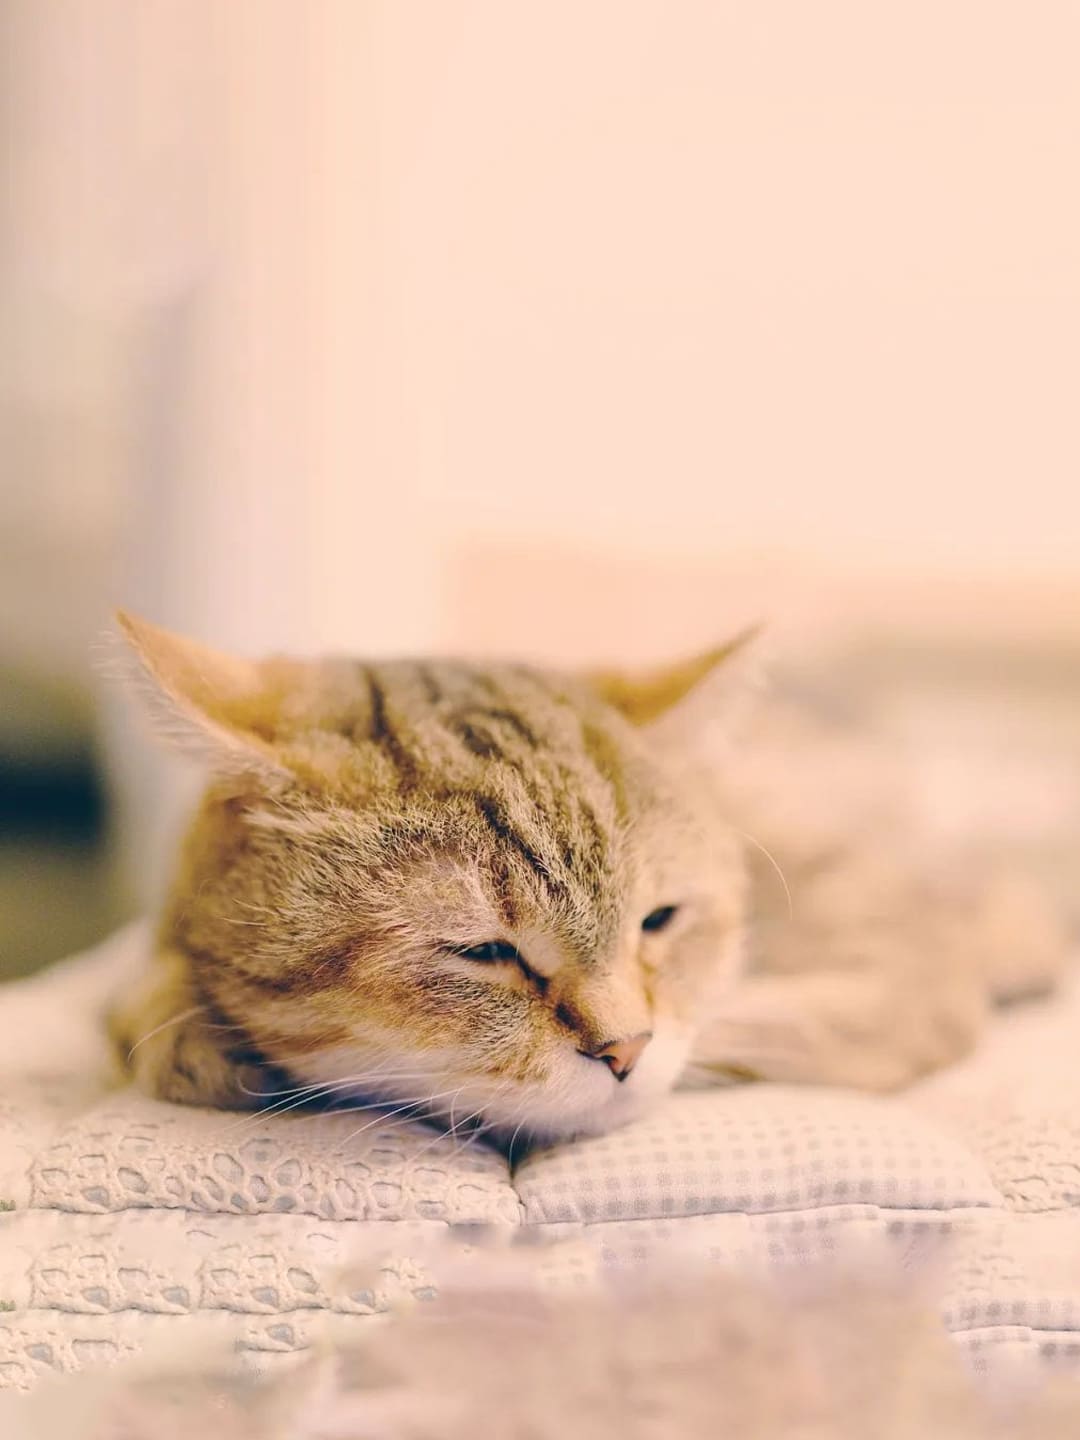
659	919
489	950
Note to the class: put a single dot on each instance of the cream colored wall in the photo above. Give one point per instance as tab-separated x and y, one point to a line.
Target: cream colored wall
707	279
557	328
383	286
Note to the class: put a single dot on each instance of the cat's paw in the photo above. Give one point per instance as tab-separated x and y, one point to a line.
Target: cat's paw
1019	935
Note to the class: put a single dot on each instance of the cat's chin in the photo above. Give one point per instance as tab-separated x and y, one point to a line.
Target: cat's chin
563	1129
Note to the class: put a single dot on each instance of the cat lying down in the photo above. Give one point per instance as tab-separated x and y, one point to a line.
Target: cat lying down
529	903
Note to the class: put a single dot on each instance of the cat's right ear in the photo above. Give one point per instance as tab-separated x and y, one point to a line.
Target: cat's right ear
211	706
695	705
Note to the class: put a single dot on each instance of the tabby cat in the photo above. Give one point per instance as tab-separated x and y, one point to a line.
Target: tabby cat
529	903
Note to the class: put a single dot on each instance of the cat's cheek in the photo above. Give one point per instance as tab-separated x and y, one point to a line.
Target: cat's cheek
704	975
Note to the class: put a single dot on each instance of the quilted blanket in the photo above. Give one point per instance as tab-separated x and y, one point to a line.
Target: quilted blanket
126	1220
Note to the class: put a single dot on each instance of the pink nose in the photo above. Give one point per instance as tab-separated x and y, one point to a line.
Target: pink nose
622	1055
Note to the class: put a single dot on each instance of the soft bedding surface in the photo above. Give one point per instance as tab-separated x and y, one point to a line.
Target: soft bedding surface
125	1220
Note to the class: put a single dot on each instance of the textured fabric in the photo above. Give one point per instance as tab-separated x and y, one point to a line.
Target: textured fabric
170	1262
754	1150
123	1216
130	1152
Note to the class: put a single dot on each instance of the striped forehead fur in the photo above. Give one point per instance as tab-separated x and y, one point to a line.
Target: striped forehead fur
510	745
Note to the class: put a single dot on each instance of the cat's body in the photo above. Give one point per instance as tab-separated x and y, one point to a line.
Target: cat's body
521	900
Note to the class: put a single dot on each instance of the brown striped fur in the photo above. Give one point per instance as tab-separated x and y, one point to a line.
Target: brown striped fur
365	822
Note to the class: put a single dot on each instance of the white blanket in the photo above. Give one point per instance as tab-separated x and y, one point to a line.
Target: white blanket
126	1220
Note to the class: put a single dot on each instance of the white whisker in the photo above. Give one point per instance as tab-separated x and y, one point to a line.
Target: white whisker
304	1094
775	865
245	1122
510	1151
173	1020
482	1129
453	1128
360	1078
410	1105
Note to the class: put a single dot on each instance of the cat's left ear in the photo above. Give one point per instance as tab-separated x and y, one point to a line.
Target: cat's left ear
693	702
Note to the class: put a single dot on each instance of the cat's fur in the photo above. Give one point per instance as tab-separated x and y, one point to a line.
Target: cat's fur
367	821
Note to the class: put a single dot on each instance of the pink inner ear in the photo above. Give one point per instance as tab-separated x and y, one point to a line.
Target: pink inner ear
186	670
206	703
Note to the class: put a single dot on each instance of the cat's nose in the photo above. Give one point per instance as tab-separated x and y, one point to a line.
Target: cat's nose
621	1056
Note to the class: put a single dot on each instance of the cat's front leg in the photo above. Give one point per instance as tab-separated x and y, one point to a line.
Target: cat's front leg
872	1030
873	978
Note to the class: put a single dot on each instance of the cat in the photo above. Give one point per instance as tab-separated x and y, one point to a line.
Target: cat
530	903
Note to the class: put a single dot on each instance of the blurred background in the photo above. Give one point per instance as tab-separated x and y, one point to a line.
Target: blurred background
570	330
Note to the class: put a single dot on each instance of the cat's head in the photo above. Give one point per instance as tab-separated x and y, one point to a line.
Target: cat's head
503	894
